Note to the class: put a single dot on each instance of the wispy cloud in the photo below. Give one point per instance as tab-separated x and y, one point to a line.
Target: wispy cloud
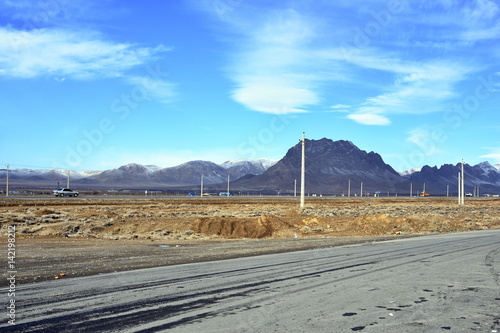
33	14
480	20
62	53
418	87
369	119
271	62
340	108
285	56
150	87
425	139
275	72
495	154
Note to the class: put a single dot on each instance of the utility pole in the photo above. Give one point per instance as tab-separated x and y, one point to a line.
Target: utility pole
295	189
447	191
411	190
463	185
227	184
303	171
67	186
201	191
361	191
459	188
7	189
349	188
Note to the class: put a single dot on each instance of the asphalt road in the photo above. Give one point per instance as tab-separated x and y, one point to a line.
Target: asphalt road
434	283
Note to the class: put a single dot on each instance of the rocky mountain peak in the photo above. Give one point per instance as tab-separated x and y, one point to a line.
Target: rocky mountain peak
326	156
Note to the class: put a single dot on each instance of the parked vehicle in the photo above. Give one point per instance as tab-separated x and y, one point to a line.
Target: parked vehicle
65	192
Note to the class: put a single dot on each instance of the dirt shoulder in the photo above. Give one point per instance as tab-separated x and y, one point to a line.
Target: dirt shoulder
76	237
47	258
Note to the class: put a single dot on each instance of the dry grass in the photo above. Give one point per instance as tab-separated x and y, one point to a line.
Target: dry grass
190	218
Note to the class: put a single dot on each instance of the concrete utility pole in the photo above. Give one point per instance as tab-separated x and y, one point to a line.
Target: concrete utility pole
67	185
361	191
201	191
7	187
227	184
349	188
295	189
411	190
303	171
463	185
459	188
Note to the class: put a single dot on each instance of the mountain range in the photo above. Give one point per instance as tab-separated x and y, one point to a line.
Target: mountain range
331	166
483	175
135	175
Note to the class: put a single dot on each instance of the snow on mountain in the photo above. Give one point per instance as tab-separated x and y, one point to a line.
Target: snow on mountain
264	162
243	167
153	168
190	173
485	168
409	172
497	166
48	174
77	174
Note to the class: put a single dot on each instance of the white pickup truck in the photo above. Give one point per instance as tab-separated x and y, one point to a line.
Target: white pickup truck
65	192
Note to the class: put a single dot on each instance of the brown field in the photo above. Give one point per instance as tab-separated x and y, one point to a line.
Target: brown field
82	236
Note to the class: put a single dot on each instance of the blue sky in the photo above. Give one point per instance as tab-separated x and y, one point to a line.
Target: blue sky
92	85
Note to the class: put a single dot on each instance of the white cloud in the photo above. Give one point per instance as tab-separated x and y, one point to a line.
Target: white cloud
149	87
286	57
492	155
340	106
369	119
495	155
61	53
426	140
275	72
274	99
480	20
419	87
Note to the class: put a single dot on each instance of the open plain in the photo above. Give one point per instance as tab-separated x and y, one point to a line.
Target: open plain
62	238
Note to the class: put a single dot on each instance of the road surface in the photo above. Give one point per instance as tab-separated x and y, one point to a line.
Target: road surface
437	283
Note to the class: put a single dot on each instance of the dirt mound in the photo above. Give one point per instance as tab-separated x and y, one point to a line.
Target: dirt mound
264	226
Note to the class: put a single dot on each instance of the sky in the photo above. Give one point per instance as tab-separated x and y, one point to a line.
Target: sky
93	85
